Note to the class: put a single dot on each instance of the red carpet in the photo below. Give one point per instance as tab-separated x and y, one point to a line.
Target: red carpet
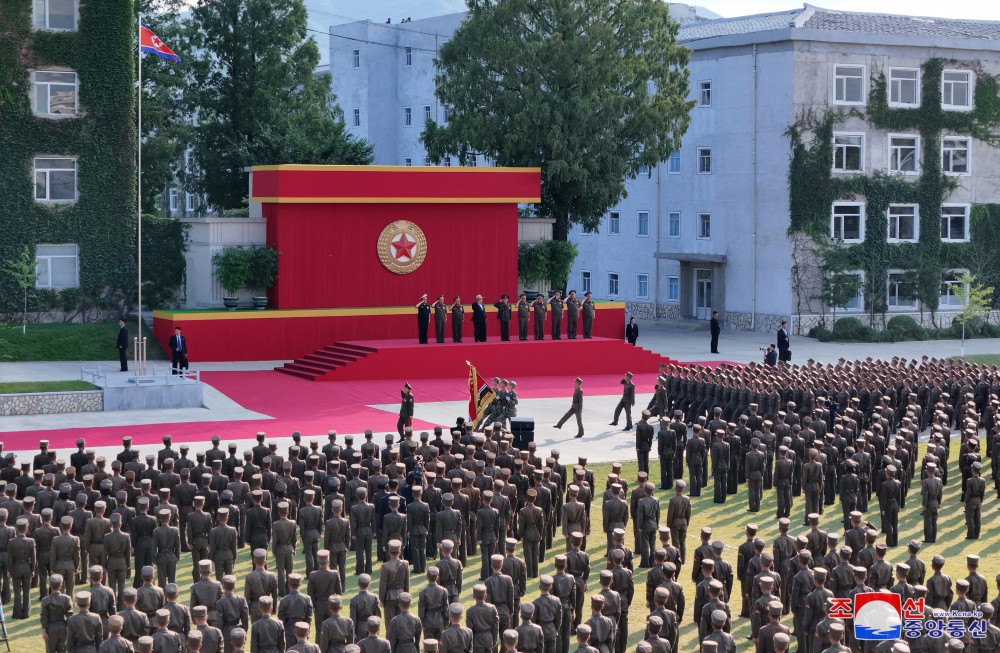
365	360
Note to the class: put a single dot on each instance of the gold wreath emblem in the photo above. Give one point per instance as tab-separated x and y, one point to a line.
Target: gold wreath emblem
402	247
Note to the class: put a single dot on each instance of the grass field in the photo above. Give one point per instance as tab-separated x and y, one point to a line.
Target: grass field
728	521
984	359
45	386
70	342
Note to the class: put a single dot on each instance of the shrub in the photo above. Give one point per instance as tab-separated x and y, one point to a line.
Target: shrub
975	326
906	326
849	328
821	333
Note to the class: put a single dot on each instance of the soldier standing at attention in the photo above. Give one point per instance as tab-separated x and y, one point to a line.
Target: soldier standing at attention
720	467
755	462
539	308
394	579
889	494
664	448
22	562
323	583
433	606
626	403
232	612
84	629
523	312
456	638
206	592
362	531
483	619
457	318
931	491
975	492
503	315
576	409
310	529
259	583
64	558
267	635
530	527
648	518
115	643
118	549
283	540
423	320
572	314
167	544
440	317
678	518
337	631
55	609
548	613
302	643
406	409
337	537
696	452
784	475
294	607
557	314
403	631
222	542
588	310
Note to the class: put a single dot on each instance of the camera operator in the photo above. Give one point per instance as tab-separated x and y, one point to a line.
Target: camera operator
770	356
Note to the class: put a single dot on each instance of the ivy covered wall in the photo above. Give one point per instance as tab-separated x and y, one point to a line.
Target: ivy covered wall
102	222
814	188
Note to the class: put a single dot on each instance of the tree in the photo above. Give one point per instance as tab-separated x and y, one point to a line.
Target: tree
589	90
975	301
838	286
23	269
256	96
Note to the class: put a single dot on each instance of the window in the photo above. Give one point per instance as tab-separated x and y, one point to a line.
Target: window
705	93
644	170
704	160
674	224
642	223
407	56
674	163
427	160
642	286
848	152
955	222
901	292
172	198
446	162
857	302
903	152
356	121
471	162
847	224
904	87
191	202
704	225
57	266
407	116
673	290
55	179
447	113
408	162
956	90
585	281
614	223
54	14
904	223
427	112
955	155
849	84
355	58
613	284
55	93
950	288
339	115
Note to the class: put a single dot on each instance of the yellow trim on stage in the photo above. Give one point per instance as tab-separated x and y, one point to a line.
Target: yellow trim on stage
317	167
396	200
202	316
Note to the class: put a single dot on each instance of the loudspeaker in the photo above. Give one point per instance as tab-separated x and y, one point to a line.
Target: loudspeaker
523	429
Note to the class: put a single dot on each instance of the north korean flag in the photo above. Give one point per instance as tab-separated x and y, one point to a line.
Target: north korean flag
151	43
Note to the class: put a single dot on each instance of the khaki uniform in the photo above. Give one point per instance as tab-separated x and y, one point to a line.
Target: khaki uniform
54	613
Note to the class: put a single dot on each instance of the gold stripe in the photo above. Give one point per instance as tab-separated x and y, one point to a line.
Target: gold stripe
396	200
333	168
201	316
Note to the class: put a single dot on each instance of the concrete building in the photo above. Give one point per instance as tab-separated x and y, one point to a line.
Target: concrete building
708	229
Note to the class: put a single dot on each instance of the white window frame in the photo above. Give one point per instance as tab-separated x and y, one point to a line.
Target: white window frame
427	160
701	158
674	163
356	117
408	56
47	172
644	170
615	278
614	223
944	299
893	160
639	232
42	24
892	84
837	84
673	218
701	222
946	150
407	117
838	147
447	113
641	279
947	106
889	297
408	162
860	297
446	162
47	261
427	113
172	199
355	59
704	93
189	205
968	218
673	283
35	88
834	216
585	281
890	217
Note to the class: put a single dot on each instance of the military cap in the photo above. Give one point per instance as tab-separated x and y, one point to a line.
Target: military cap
374	622
395	546
718	617
836	628
819	573
510	543
782	639
544	581
199	611
527	608
718	545
972	560
294	578
55	579
900	647
775	608
881	546
456	609
709	646
715	585
82	598
961	583
584	629
335	600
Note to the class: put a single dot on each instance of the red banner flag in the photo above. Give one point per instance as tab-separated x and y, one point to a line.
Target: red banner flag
481	394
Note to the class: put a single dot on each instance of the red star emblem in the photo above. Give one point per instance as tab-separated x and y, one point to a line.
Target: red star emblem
403	247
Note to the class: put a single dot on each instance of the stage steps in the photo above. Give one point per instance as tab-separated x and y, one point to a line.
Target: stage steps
405	359
326	360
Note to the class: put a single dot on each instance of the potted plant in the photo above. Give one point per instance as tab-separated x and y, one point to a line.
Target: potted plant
263	264
232	270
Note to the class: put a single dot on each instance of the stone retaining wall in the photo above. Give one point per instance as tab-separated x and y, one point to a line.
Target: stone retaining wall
49	403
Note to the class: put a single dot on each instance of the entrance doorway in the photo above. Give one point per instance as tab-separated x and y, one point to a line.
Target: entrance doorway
702	294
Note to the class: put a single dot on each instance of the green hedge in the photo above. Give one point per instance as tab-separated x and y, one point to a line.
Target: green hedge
901	328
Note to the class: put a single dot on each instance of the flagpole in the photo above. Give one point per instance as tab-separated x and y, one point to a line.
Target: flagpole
139	198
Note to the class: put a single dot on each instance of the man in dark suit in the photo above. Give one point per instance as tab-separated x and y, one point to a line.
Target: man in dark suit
178	351
504	315
479	320
716	330
784	353
122	344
